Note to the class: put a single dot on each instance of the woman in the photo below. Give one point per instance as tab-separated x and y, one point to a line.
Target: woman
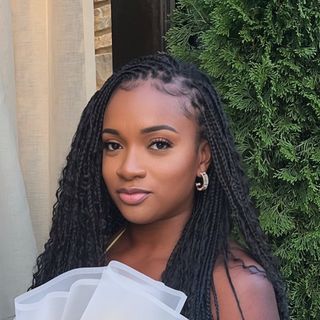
153	180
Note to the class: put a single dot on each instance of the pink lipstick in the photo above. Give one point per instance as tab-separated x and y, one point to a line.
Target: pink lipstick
133	196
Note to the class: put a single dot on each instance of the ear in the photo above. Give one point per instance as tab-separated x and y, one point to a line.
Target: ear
204	156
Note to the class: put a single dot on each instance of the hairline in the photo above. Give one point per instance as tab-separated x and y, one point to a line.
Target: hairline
190	111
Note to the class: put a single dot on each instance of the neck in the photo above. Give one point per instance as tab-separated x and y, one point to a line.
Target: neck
163	234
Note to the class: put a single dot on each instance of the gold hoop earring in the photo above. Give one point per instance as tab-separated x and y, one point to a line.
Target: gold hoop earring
201	186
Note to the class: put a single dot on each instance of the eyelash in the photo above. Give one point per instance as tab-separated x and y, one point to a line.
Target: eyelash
166	144
107	144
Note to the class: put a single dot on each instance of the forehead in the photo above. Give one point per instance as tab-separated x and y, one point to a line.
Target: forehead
145	102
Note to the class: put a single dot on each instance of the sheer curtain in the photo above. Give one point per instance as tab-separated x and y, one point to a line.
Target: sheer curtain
47	75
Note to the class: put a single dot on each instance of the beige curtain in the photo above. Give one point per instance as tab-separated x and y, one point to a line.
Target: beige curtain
47	76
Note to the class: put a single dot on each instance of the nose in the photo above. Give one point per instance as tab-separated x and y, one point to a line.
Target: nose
131	166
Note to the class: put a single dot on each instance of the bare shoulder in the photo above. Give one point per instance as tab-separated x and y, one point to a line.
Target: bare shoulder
254	291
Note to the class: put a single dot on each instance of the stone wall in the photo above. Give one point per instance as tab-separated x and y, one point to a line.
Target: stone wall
103	41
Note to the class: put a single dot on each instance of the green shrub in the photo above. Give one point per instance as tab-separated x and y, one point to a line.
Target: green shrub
264	59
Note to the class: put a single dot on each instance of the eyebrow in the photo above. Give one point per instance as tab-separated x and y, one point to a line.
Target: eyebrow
143	131
159	127
111	131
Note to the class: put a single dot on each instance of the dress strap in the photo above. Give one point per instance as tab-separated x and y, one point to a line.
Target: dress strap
115	240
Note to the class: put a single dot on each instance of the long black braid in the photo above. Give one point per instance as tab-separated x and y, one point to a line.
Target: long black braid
85	218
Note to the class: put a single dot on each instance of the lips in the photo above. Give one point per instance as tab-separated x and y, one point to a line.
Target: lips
133	196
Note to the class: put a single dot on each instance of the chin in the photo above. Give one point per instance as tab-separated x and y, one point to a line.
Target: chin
139	220
138	217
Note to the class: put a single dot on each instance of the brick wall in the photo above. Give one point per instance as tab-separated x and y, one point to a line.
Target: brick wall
103	42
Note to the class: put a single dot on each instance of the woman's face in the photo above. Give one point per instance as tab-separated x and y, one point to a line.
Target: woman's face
151	155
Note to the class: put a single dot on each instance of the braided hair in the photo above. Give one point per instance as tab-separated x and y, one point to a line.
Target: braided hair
85	219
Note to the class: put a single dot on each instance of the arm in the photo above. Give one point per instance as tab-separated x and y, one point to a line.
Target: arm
254	292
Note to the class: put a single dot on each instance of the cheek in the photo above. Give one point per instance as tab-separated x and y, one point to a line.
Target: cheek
107	171
179	170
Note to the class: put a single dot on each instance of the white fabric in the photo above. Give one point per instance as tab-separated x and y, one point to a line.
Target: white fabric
55	77
115	292
17	243
47	75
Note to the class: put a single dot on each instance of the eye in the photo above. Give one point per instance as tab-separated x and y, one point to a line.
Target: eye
111	146
160	144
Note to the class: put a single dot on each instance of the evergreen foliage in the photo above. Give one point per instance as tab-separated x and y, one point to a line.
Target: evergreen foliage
264	58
